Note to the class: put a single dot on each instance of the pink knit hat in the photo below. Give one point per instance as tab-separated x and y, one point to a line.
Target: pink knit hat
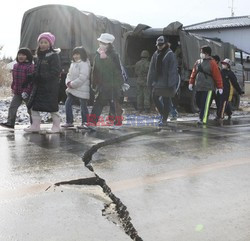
48	36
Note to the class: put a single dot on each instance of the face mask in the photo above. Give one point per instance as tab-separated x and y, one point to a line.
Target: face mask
224	66
103	47
202	56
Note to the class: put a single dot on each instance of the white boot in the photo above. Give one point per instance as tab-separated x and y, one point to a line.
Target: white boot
35	126
56	124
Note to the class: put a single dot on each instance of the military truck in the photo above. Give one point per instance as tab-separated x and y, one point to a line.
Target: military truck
187	48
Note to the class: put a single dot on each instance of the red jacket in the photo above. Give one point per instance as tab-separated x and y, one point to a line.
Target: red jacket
215	73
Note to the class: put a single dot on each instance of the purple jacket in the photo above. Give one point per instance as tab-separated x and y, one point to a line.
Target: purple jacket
19	74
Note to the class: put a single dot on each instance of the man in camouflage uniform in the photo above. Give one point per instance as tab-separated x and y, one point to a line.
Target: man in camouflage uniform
141	71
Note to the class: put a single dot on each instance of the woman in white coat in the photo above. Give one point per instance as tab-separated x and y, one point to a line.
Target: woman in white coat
78	84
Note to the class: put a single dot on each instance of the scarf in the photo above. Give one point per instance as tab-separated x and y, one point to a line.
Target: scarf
159	58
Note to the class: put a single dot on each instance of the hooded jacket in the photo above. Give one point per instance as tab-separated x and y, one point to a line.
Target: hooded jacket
44	95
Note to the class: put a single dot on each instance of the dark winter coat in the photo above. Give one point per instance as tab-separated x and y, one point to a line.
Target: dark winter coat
229	78
107	75
46	82
165	82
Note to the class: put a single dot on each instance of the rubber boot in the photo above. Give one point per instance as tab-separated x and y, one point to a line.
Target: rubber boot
56	124
35	126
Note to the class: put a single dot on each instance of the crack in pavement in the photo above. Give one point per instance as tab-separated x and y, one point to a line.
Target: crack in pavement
119	209
116	207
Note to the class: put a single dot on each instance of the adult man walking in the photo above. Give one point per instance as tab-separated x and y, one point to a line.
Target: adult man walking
163	77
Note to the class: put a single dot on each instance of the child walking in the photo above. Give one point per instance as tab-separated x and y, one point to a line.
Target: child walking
78	84
44	95
206	76
229	82
21	70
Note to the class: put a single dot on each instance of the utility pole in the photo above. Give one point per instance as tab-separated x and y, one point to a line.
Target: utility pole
232	9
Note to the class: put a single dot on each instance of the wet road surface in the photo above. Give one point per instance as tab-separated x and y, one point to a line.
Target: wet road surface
179	183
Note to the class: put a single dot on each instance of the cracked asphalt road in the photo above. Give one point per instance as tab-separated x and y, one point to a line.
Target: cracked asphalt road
180	183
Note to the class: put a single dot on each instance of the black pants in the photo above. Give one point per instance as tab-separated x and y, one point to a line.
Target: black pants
162	107
203	101
224	107
228	109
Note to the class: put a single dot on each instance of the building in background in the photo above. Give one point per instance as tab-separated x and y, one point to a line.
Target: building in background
235	30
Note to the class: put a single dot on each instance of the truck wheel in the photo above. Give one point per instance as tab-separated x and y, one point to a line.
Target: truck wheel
235	103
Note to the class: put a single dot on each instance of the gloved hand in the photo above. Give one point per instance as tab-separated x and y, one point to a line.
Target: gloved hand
25	95
220	91
125	87
242	92
190	87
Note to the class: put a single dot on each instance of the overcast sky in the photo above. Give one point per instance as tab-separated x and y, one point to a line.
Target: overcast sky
155	13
